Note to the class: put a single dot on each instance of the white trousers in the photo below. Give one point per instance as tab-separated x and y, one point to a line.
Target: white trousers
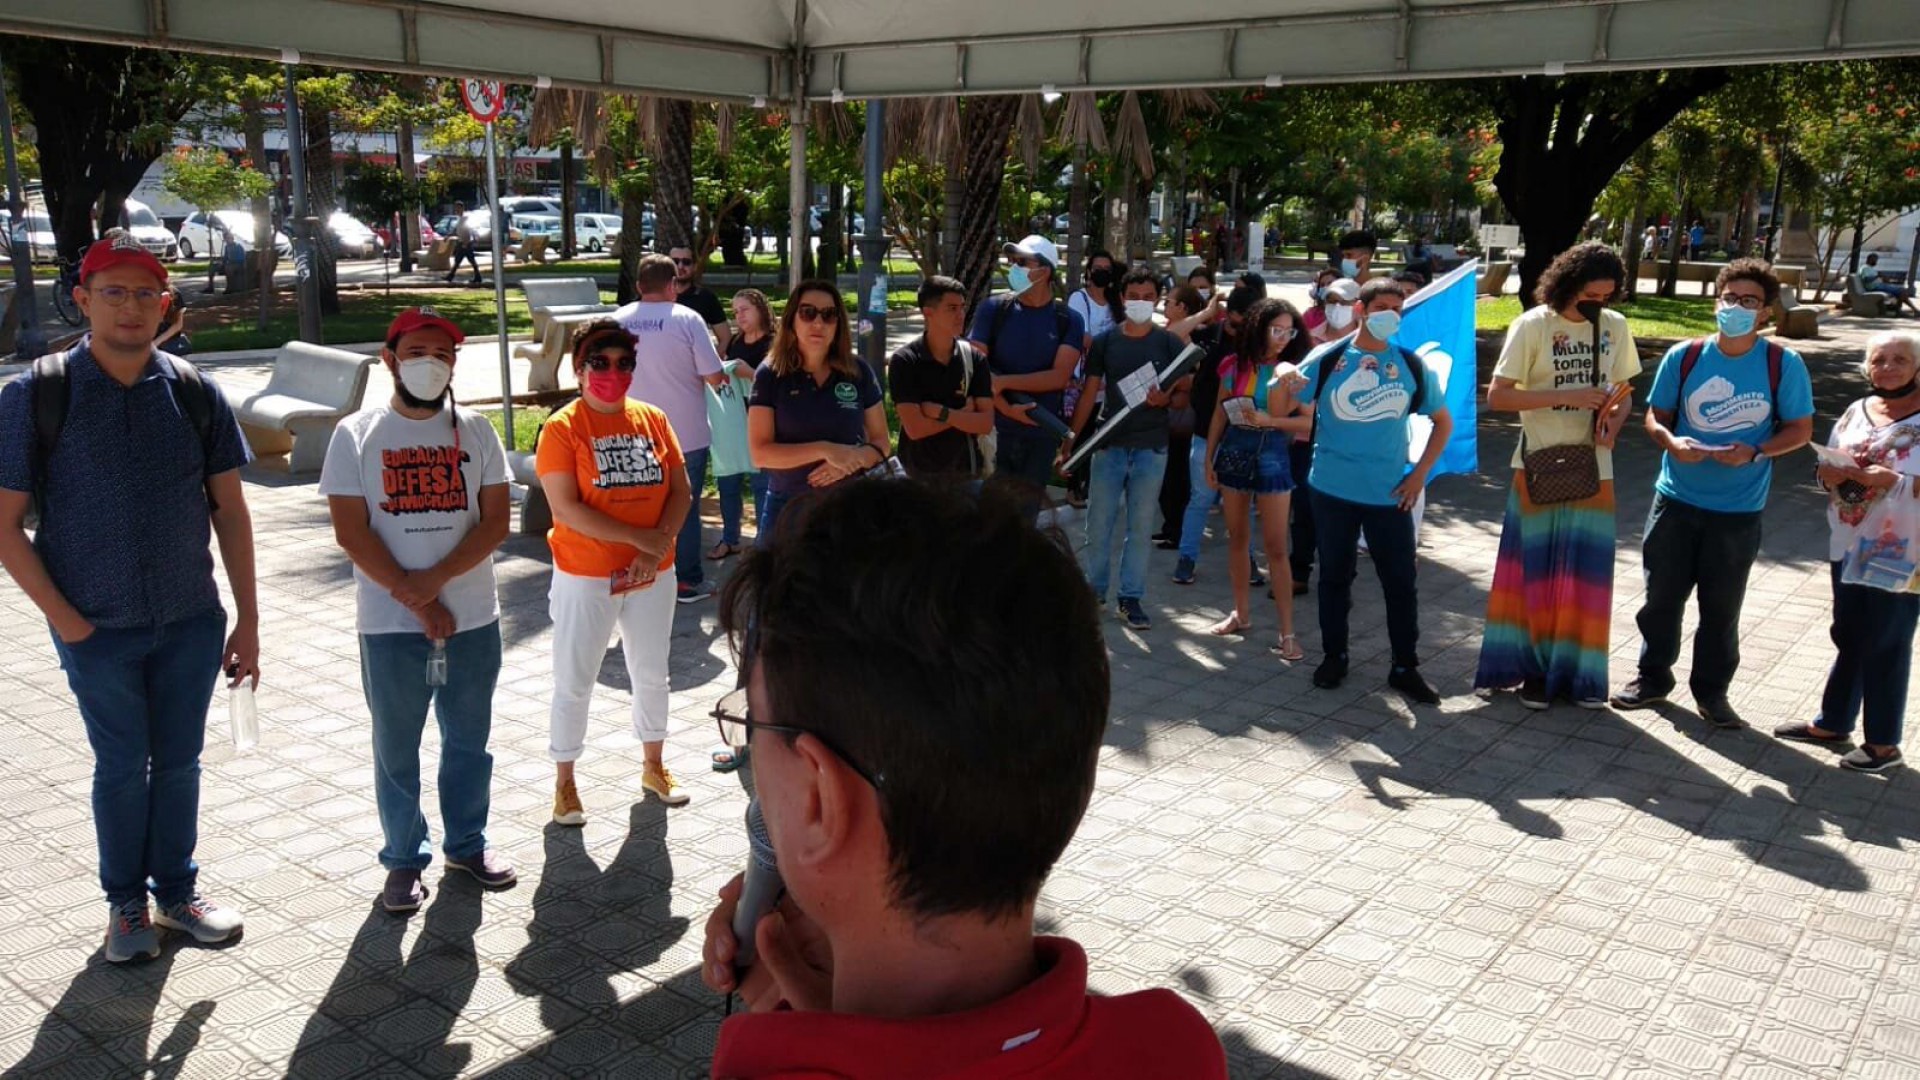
584	616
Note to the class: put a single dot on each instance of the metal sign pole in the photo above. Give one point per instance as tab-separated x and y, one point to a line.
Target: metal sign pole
29	342
499	286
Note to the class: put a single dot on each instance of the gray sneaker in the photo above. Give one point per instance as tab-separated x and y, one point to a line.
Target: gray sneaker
130	933
492	871
208	922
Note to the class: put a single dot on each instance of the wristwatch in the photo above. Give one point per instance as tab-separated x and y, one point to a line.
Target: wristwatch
944	413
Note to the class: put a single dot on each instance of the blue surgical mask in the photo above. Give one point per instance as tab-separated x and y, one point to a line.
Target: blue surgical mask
1383	324
1349	268
1736	321
1018	280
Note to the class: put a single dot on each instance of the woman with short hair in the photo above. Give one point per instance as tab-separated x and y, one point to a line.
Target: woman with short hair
1873	624
1565	369
615	477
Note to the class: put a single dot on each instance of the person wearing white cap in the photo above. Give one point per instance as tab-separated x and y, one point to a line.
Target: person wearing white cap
1032	342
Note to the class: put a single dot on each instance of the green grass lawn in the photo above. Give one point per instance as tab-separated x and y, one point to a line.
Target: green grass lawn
1649	316
364	317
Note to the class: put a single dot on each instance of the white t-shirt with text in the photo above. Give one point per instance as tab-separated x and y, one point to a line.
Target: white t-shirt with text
674	356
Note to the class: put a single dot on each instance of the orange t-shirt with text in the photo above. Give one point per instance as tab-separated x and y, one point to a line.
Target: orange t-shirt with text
621	463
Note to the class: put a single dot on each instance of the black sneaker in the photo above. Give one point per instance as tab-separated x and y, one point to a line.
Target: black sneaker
1408	681
1183	571
1533	694
1135	615
1718	712
1331	672
1638	695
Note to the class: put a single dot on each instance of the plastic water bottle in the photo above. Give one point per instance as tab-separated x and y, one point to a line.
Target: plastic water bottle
437	665
243	716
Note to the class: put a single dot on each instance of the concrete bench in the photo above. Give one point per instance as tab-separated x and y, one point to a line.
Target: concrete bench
1865	302
311	390
1793	319
536	516
438	256
573	293
546	354
530	249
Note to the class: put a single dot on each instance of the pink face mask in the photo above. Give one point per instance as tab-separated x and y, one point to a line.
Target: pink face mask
609	385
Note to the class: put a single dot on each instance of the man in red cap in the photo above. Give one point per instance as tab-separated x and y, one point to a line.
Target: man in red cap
133	459
418	496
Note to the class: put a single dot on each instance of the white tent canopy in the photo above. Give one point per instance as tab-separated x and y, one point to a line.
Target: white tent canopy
746	49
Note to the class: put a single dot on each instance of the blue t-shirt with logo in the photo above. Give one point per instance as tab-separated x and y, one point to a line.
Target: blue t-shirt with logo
1361	442
1029	339
807	411
1728	400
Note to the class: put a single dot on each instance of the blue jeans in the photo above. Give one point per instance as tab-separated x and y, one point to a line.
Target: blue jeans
1128	479
686	551
1200	500
1688	549
1389	531
769	517
1027	461
733	504
143	694
1873	631
393	671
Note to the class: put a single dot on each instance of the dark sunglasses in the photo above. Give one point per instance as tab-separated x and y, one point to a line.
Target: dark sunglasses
809	313
683	262
604	360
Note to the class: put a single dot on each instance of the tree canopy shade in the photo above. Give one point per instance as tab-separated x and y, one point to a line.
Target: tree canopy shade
742	49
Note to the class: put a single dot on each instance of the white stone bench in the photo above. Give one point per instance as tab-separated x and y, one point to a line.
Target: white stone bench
557	305
536	516
545	294
311	390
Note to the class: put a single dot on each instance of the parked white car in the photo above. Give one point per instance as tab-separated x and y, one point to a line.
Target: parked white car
595	232
39	233
153	234
355	239
203	233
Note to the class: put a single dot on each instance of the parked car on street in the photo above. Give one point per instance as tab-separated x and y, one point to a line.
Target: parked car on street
596	232
38	230
205	234
355	239
427	235
153	234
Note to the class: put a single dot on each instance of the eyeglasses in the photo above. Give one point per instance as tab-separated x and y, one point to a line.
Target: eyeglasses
683	262
1281	334
736	729
1751	303
118	295
603	360
809	313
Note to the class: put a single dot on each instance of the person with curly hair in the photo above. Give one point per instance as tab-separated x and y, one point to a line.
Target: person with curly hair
1550	612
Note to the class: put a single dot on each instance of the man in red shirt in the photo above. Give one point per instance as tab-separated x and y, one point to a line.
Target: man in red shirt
925	748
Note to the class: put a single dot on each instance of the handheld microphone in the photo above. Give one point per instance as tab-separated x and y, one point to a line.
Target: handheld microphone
759	889
1040	416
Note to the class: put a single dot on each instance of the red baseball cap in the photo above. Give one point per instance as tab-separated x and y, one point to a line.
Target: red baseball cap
421	318
119	248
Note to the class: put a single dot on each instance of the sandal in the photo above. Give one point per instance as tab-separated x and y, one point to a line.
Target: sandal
1231	626
728	759
723	550
1288	649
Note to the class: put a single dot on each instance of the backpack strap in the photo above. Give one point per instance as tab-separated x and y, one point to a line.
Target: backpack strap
52	394
1689	359
1776	358
1003	310
195	399
1417	368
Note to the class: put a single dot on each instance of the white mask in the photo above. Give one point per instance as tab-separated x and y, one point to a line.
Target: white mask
1340	316
1139	311
1205	294
425	377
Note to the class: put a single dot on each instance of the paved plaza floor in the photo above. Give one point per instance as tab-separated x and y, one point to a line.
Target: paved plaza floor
1347	886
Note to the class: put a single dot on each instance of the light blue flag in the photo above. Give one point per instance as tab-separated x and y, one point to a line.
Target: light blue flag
1437	324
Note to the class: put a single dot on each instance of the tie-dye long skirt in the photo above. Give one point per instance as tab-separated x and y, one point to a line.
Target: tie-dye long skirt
1550	613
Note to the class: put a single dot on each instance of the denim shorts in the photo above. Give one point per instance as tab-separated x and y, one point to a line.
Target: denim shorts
1253	461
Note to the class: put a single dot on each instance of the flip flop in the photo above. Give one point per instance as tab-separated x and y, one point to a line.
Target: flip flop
1286	655
1231	626
722	551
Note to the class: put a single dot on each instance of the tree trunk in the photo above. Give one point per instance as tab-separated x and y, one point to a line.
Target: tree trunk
1749	223
1859	241
567	195
832	237
254	123
673	178
953	198
322	200
1077	216
633	202
1179	201
986	122
1670	276
1631	238
409	232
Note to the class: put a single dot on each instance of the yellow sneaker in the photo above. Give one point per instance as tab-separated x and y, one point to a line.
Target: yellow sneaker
566	805
661	782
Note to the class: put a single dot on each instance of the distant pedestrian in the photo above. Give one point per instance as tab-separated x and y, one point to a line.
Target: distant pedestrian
143	470
418	496
727	415
1873	623
465	244
1550	610
1721	408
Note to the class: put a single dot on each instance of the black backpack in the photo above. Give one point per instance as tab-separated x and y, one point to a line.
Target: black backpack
1062	321
53	395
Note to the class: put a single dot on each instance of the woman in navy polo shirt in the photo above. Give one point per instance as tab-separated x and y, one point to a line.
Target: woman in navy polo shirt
815	417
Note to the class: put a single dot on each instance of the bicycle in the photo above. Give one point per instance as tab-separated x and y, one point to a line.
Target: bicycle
64	305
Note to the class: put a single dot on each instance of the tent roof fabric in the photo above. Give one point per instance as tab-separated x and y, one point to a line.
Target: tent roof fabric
746	49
